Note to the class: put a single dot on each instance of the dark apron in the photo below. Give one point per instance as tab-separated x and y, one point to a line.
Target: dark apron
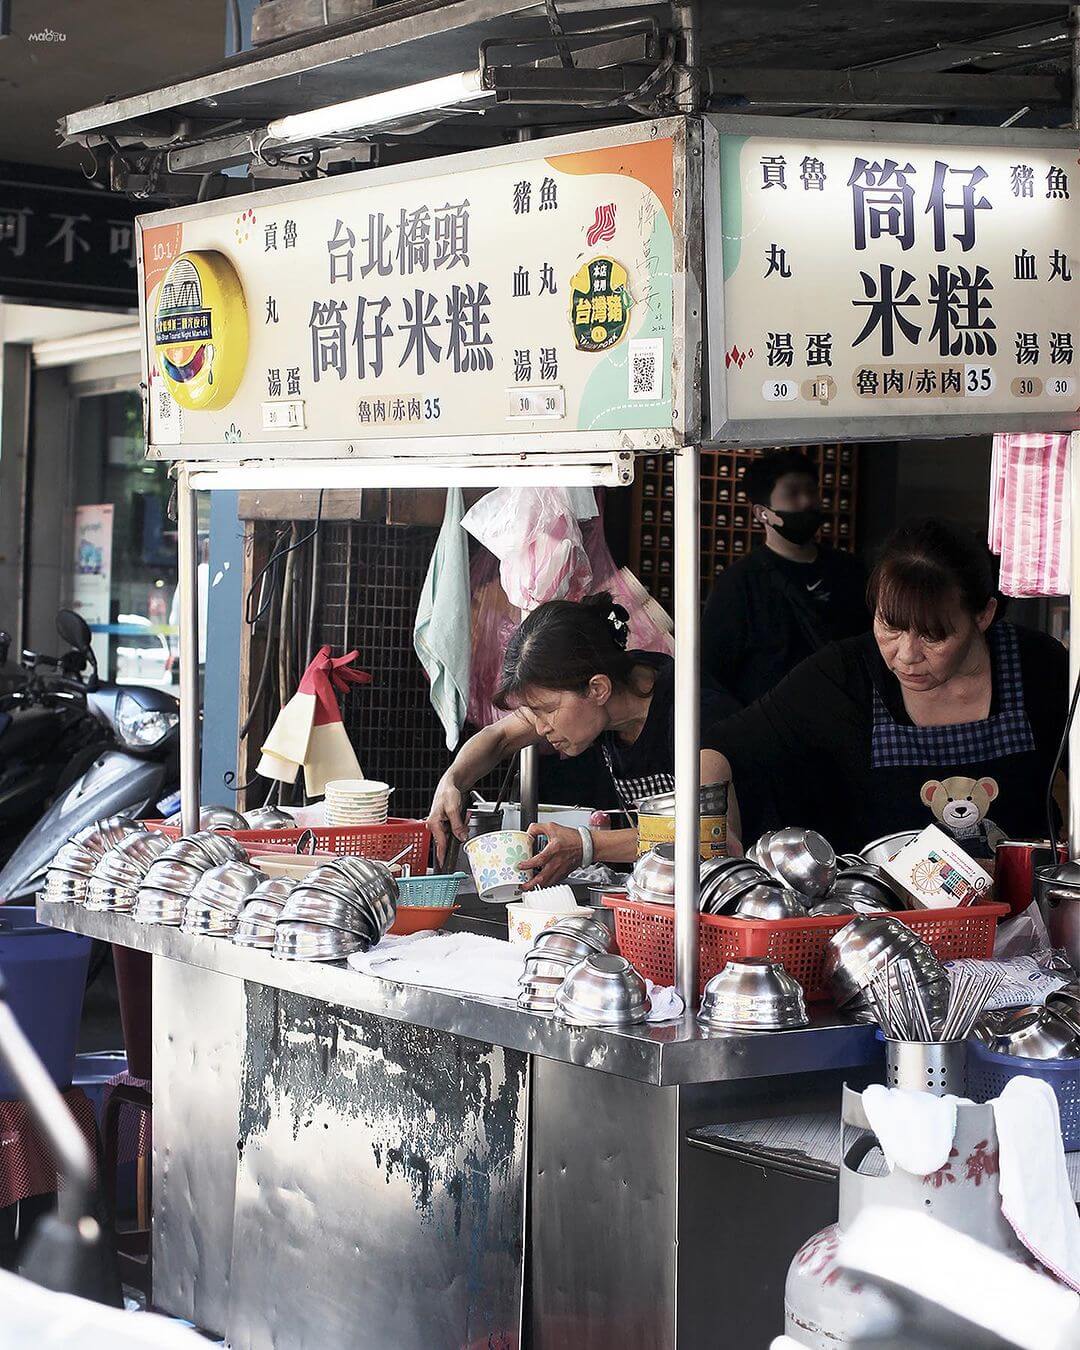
997	755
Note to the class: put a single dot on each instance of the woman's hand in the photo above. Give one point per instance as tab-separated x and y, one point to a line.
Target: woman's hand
557	860
446	817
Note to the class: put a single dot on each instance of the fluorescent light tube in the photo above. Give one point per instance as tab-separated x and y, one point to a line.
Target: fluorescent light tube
377	109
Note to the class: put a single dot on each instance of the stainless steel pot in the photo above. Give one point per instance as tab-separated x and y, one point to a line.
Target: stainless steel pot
1057	893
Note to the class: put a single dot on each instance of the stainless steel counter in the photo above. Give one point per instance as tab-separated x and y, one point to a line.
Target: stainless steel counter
671	1054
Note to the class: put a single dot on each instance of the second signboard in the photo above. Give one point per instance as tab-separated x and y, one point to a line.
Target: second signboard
890	280
535	295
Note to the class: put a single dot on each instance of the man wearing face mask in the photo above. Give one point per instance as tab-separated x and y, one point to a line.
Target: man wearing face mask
789	597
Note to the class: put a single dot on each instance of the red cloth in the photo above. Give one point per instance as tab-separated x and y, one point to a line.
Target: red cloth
26	1164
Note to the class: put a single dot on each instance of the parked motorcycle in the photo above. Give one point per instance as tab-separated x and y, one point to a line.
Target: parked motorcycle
122	745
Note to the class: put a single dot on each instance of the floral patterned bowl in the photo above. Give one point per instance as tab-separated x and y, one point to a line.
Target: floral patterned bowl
496	860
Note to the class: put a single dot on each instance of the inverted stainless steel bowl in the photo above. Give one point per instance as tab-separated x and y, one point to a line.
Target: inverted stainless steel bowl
207	919
655	871
274	890
308	906
297	941
74	858
168	874
102	894
268	818
804	860
755	994
648	897
587	929
157	906
764	900
550	943
867	944
603	991
831	909
541	966
1035	1033
65	886
190	850
106	834
219	848
888	846
227	886
261	911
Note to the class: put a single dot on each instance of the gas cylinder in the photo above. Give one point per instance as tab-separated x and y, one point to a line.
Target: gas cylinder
824	1308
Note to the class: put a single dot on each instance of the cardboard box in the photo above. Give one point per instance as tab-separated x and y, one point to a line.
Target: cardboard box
938	874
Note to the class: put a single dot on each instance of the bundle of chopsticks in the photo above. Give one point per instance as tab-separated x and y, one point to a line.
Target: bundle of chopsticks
897	1001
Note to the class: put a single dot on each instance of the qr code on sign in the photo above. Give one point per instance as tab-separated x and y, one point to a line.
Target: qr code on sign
646	368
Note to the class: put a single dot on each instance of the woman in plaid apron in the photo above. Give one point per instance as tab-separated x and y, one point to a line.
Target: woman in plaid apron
943	714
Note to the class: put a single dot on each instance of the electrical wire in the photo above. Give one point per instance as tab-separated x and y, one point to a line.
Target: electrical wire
275	557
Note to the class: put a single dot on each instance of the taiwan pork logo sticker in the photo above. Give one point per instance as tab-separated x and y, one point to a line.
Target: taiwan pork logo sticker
599	304
201	330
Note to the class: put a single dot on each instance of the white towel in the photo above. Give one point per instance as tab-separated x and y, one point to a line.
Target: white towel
1036	1197
667	1003
460	963
915	1129
442	629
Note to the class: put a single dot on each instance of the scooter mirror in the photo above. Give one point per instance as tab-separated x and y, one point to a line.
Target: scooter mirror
73	629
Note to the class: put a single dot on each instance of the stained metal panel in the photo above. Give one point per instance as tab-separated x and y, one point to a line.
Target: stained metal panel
395	1153
197	1048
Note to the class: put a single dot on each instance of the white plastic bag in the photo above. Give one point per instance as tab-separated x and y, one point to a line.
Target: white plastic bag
535	535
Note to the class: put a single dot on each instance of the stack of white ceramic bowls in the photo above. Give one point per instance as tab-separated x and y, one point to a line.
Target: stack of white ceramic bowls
357	801
218	897
119	872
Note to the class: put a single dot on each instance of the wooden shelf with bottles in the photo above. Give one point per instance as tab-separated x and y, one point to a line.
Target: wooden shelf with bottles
728	532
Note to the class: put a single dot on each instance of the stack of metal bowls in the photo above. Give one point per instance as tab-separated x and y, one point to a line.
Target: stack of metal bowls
69	872
106	834
603	990
868	944
168	885
258	919
218	897
762	899
119	872
341	907
868	889
555	953
721	876
653	877
1031	1033
753	994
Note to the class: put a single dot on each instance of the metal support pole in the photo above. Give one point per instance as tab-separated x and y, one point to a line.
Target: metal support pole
1074	528
687	720
529	770
187	525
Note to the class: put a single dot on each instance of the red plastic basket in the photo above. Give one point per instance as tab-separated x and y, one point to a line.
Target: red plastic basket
366	841
646	936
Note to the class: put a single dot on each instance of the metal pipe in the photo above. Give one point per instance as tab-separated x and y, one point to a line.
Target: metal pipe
187	526
51	1116
687	720
529	769
1074	488
688	75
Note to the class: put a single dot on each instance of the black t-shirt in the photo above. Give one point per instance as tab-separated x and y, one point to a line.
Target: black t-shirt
647	766
840	718
765	614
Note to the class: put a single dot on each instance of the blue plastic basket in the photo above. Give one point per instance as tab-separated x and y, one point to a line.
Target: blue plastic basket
988	1074
431	892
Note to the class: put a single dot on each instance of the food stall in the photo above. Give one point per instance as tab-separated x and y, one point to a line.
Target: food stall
340	1158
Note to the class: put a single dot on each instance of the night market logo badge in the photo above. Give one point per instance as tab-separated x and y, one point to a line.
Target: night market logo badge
599	304
201	330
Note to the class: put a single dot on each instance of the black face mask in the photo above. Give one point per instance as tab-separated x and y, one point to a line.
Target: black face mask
799	527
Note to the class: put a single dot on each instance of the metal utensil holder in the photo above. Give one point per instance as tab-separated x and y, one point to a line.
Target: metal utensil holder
937	1067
